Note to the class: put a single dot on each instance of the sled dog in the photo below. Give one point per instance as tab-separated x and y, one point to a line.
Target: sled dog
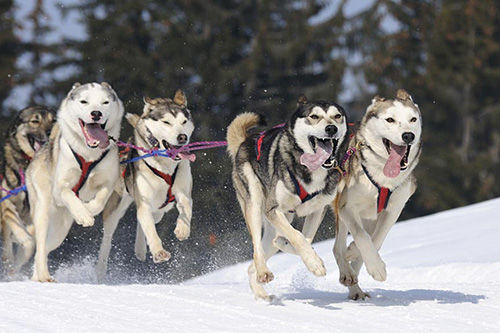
72	177
155	184
24	137
286	171
378	184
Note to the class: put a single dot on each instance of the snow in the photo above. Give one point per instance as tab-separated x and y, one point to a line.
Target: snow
443	276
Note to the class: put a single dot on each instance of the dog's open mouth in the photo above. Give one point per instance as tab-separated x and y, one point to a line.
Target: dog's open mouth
35	143
398	158
324	149
183	155
95	135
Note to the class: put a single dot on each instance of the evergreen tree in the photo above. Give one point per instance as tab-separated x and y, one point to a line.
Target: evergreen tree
9	49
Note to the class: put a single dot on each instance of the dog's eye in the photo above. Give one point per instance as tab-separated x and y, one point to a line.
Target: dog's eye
83	101
414	119
106	102
166	122
338	116
313	116
390	120
184	122
35	121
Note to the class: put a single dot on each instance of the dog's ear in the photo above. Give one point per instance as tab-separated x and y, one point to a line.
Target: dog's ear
377	98
402	95
148	100
180	98
106	85
302	100
132	119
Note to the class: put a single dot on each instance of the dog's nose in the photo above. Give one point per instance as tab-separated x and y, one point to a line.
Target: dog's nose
96	115
331	130
182	138
408	137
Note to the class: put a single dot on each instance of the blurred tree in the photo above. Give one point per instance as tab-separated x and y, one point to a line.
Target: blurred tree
9	49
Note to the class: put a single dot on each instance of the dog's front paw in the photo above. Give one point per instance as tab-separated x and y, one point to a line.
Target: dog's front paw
93	208
182	230
84	218
348	278
352	253
161	256
315	265
376	269
264	277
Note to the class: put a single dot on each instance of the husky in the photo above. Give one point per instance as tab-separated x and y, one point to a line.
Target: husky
72	177
286	171
25	136
155	184
378	184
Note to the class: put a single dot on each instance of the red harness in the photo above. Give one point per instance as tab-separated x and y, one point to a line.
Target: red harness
86	167
383	192
169	179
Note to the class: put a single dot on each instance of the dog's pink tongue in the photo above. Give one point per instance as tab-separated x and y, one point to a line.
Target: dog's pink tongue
392	167
97	134
314	161
187	156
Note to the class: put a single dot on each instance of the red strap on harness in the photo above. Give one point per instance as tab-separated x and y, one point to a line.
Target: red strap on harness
259	145
169	179
86	168
383	197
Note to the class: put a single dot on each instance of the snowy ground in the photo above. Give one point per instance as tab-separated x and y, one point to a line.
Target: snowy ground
443	276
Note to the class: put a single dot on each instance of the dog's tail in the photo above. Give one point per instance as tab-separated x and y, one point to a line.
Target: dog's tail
237	132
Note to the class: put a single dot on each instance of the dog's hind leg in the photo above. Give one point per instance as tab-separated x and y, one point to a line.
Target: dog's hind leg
347	276
309	229
8	250
311	259
355	292
269	251
24	253
252	211
111	215
41	221
140	246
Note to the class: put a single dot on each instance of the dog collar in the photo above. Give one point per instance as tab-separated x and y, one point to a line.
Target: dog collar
169	179
86	167
383	192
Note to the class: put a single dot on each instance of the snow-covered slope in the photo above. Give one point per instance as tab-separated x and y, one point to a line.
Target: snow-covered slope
443	276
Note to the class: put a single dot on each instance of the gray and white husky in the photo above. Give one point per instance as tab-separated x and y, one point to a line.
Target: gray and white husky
379	182
72	177
282	172
24	137
155	184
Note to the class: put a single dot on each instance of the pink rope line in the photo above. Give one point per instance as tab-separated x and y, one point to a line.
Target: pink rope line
171	152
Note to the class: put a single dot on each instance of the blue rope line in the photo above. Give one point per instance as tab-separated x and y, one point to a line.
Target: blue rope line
15	191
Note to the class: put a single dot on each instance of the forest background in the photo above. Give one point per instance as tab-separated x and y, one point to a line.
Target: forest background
249	55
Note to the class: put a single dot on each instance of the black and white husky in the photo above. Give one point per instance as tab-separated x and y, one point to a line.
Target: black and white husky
379	182
72	177
285	171
155	184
